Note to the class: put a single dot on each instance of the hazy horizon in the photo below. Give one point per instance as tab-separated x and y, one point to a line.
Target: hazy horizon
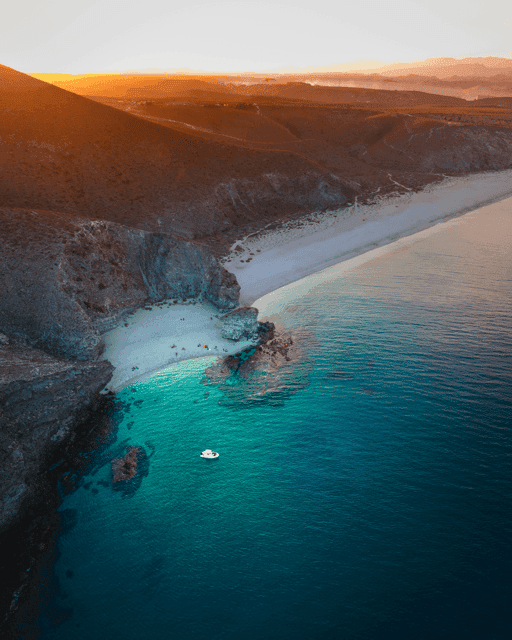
244	37
359	66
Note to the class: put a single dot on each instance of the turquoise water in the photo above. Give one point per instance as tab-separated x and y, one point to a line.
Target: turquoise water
369	497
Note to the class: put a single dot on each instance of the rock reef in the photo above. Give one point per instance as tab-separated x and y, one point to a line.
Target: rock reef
126	467
269	372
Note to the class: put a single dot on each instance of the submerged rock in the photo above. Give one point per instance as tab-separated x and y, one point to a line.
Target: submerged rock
126	467
129	470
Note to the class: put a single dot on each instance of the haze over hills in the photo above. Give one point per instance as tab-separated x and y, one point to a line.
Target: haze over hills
439	67
466	78
345	67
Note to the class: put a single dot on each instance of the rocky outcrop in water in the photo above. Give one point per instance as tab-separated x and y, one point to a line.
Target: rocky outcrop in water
126	467
66	280
42	400
269	372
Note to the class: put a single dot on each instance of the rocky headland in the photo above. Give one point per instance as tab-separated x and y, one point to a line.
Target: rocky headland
42	399
44	403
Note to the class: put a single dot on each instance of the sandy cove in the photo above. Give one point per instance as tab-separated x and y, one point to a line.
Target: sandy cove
151	340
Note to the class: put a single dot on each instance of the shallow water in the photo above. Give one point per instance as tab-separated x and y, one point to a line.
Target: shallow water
368	498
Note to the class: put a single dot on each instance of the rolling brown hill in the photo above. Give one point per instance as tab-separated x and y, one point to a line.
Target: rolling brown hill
242	124
62	152
224	89
212	157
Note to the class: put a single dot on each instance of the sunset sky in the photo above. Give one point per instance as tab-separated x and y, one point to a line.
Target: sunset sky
118	35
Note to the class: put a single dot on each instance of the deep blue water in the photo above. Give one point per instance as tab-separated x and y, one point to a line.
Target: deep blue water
370	497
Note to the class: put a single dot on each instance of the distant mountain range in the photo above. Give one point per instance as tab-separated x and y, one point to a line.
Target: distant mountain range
439	67
347	67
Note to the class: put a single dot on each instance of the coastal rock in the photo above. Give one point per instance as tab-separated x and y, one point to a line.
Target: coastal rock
42	401
29	544
269	372
126	467
241	323
67	280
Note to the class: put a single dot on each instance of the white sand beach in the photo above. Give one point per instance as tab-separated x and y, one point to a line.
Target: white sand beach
170	333
268	261
154	339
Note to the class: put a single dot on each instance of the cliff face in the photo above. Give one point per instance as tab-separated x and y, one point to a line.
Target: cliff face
66	280
42	399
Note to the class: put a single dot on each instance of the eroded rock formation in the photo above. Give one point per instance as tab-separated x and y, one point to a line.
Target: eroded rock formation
270	372
241	323
66	280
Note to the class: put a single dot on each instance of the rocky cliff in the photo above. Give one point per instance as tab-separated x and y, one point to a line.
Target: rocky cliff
42	399
66	280
44	405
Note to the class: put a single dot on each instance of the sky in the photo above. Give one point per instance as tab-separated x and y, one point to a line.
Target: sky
88	36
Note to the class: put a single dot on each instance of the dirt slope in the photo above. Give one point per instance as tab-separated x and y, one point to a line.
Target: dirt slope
62	152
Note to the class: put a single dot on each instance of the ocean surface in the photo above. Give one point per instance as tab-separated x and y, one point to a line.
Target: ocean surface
369	496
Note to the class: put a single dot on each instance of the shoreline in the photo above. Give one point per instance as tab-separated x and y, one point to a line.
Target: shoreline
265	262
153	340
150	340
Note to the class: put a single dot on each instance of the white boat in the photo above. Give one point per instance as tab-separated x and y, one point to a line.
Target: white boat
208	453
